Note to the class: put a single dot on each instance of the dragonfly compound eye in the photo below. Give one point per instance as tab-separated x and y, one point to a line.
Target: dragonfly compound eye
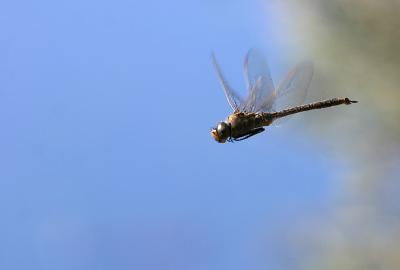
223	130
221	133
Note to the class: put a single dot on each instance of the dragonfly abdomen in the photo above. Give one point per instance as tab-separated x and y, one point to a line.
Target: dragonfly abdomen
311	106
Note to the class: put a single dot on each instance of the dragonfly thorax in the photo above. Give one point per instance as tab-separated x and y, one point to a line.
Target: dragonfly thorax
222	132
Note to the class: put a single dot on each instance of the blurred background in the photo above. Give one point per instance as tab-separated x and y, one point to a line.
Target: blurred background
106	161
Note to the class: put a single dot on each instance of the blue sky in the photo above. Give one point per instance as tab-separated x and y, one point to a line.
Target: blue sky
106	160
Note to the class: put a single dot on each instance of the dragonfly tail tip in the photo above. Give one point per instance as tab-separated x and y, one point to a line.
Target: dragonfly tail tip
348	101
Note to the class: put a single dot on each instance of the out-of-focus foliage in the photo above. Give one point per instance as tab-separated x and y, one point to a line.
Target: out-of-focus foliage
356	48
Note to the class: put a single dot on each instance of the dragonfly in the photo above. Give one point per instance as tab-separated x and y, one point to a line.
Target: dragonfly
265	104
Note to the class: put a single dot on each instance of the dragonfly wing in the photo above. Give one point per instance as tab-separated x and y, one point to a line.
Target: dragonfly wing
261	90
292	91
234	99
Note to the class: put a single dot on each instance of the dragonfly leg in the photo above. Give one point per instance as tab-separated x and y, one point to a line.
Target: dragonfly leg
251	133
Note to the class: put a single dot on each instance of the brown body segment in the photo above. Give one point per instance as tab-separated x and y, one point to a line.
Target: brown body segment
241	123
312	106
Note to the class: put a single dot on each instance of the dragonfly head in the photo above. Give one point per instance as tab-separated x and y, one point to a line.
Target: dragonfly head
222	132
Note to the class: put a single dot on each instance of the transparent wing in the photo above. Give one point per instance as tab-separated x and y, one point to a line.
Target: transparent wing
234	99
292	91
261	90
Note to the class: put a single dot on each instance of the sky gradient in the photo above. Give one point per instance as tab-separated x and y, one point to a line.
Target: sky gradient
106	161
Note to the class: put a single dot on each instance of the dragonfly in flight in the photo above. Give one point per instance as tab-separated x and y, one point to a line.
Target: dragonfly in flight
264	103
